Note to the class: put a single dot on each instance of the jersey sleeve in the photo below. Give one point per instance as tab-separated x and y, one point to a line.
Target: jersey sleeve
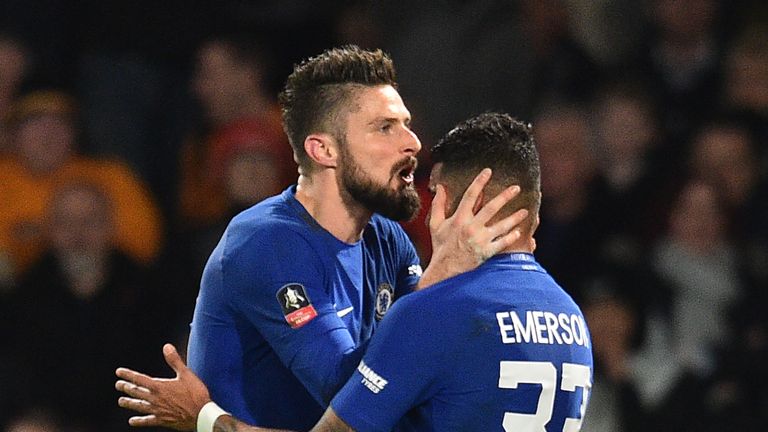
283	297
400	369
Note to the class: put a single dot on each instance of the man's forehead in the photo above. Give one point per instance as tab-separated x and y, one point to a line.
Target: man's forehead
380	101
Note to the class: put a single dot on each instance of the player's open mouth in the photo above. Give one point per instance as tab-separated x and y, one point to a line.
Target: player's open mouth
406	174
405	170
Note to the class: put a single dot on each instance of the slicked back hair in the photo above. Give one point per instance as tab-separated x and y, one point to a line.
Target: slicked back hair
497	141
320	87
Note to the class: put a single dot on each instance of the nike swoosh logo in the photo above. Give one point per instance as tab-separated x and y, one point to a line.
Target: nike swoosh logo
345	311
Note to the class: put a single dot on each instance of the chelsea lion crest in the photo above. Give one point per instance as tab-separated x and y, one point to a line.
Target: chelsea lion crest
384	296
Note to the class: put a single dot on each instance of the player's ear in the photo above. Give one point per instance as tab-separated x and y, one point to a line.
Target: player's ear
321	148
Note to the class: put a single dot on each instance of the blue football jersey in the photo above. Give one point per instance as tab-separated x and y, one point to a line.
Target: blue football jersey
501	348
285	310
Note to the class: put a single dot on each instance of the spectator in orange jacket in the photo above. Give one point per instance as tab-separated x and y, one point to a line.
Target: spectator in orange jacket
43	130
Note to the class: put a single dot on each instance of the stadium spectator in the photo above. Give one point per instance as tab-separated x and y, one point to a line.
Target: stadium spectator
131	73
699	263
746	73
570	235
726	154
43	126
241	115
238	156
613	324
681	57
80	308
633	172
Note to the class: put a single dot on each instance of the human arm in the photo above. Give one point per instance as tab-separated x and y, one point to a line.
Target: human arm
176	402
245	330
309	338
402	367
330	422
463	241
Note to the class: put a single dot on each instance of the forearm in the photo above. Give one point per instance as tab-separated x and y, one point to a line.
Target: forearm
330	422
325	364
228	423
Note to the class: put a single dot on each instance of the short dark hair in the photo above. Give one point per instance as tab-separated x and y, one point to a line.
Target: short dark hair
318	87
497	141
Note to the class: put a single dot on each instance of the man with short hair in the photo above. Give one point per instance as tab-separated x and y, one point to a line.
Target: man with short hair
501	347
295	288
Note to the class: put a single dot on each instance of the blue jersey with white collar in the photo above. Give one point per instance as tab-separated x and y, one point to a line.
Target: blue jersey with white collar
500	348
285	310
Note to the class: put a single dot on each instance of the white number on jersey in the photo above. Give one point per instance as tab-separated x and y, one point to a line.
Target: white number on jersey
512	373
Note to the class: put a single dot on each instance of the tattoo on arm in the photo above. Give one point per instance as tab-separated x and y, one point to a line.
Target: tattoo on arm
330	422
227	423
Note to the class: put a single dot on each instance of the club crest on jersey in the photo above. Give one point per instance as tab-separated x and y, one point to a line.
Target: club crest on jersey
384	296
296	306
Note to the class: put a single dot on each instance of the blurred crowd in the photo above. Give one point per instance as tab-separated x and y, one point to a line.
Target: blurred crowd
133	130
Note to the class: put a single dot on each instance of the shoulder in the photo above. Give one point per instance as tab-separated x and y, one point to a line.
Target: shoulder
259	247
270	232
272	219
428	307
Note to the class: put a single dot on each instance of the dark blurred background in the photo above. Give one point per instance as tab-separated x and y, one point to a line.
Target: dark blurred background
133	130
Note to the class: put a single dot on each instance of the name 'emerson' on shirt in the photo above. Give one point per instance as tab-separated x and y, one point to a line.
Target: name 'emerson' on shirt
542	327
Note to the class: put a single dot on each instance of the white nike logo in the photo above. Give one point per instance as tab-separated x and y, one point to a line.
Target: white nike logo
345	311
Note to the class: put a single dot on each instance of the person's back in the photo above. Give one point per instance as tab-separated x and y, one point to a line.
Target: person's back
503	345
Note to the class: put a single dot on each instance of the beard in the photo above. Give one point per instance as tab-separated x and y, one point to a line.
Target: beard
399	204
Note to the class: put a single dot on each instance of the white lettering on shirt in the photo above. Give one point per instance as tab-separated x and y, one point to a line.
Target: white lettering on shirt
373	381
542	327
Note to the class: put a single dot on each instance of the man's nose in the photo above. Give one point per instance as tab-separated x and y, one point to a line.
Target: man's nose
411	144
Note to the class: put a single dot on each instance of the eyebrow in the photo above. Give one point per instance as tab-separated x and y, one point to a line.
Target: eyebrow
376	120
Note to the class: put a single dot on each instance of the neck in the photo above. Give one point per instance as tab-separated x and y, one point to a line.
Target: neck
321	196
526	244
